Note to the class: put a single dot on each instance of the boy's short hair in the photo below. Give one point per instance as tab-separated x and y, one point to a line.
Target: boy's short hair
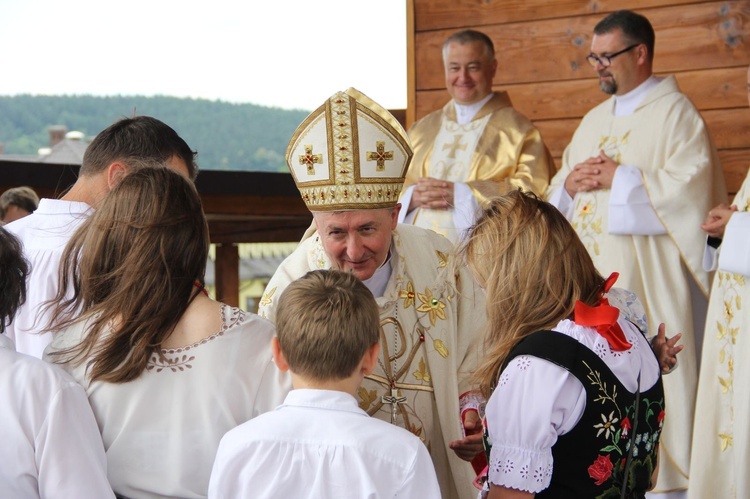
326	321
24	197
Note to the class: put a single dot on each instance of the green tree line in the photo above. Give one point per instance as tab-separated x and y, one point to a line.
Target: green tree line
227	136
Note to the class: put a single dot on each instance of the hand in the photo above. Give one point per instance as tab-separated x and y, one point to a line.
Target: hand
665	349
595	173
432	193
717	220
468	447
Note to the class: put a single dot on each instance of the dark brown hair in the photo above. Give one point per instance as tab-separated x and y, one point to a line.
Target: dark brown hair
132	266
13	272
141	138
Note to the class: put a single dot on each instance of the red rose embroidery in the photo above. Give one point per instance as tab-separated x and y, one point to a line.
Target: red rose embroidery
660	419
601	470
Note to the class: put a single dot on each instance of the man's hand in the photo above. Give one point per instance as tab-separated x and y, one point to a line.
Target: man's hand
666	349
468	447
717	220
432	193
595	173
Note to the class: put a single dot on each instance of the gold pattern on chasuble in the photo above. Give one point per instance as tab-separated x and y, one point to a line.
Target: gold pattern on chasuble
612	146
404	383
310	159
267	297
380	156
587	223
455	146
729	289
433	306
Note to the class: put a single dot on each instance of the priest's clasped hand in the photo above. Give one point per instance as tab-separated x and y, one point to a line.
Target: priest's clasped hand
717	220
432	193
595	173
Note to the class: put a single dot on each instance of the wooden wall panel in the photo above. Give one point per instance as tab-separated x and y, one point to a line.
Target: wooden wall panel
706	35
445	14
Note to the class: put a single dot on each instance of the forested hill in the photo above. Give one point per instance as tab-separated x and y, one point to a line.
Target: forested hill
227	136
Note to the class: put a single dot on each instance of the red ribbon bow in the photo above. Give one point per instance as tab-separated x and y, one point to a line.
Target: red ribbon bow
603	318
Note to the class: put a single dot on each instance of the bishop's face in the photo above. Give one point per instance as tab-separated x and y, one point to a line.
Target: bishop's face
357	241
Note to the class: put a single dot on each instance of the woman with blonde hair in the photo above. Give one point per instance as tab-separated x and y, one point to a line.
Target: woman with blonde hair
575	396
166	369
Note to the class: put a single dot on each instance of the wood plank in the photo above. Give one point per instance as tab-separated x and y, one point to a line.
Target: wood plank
700	36
227	268
735	163
457	14
719	88
729	128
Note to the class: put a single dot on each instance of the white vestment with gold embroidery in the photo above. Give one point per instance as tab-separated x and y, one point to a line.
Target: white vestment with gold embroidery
431	319
666	139
721	438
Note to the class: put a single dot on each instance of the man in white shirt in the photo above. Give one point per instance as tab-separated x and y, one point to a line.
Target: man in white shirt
476	147
51	447
130	143
320	443
636	181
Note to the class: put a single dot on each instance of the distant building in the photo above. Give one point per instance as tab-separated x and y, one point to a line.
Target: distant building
64	148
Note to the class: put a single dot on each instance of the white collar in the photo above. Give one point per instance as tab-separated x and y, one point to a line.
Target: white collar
379	280
322	399
626	104
464	114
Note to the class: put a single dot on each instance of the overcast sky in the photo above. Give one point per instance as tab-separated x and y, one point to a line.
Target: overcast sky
284	53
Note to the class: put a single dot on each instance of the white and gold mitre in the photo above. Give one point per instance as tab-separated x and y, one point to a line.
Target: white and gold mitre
349	154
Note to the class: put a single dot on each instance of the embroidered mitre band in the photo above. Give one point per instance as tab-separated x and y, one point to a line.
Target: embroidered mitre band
349	154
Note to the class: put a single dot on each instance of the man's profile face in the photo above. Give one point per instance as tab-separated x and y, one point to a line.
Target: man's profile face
620	77
468	72
357	241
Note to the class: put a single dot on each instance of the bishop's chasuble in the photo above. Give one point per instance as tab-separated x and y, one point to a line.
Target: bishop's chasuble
497	151
431	318
666	139
721	435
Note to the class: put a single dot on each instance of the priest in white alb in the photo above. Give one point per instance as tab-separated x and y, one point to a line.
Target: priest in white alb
636	182
348	159
476	147
721	435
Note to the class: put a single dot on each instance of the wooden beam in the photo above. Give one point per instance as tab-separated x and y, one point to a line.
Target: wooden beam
227	268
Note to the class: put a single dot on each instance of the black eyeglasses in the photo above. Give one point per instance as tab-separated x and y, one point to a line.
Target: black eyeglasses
606	60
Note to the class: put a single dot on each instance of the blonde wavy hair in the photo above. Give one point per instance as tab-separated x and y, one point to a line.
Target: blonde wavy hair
528	258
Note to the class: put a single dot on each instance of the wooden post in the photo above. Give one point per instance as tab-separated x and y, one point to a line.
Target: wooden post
227	268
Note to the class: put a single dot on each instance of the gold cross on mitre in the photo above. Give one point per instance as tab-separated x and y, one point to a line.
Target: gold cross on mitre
310	159
454	146
380	155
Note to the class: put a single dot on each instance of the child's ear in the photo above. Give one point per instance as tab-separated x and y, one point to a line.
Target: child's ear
278	355
370	359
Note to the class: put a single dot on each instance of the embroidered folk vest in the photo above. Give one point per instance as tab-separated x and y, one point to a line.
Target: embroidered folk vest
590	460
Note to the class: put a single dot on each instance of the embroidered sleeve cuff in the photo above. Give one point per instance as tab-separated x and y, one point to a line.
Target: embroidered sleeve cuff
522	469
471	401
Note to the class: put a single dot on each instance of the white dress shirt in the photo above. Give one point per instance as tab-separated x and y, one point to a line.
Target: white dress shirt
44	235
50	446
320	444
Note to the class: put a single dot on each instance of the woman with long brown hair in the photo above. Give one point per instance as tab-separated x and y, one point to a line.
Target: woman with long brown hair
575	396
167	370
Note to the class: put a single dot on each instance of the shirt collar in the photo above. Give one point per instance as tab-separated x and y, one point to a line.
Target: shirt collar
625	105
464	114
379	280
322	399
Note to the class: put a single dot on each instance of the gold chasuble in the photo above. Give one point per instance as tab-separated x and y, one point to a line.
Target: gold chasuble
667	140
722	418
499	150
432	317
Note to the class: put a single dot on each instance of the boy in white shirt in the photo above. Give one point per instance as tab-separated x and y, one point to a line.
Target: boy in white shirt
319	443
